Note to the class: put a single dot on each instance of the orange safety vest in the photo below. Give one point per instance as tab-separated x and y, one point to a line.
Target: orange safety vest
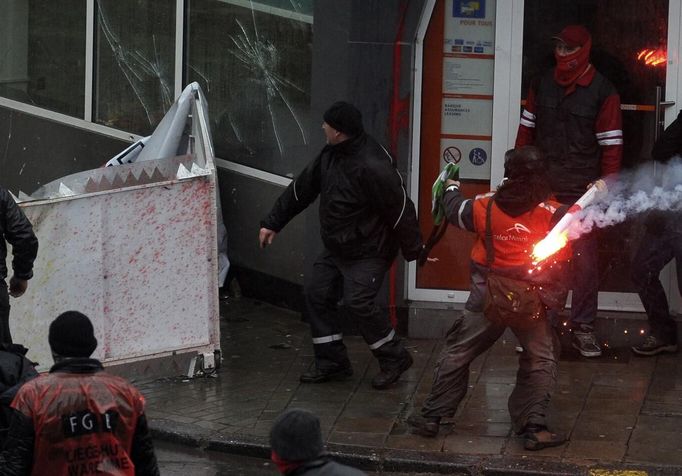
84	423
513	237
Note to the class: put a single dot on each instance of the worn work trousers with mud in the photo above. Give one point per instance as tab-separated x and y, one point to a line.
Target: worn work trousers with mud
357	282
471	335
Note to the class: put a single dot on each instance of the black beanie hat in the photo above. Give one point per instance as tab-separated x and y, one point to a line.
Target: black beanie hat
296	436
344	117
72	335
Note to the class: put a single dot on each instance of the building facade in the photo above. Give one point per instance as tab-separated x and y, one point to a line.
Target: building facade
435	79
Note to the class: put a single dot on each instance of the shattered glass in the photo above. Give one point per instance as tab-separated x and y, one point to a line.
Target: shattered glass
253	61
135	63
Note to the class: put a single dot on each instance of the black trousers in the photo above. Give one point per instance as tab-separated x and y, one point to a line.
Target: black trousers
357	282
5	336
658	248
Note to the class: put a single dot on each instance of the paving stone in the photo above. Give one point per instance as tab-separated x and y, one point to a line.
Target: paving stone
372	440
603	426
467	444
597	450
414	442
364	424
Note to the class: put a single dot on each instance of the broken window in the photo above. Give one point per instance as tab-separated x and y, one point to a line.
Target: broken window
42	61
134	63
253	61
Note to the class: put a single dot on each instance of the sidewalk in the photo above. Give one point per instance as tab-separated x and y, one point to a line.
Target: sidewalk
622	412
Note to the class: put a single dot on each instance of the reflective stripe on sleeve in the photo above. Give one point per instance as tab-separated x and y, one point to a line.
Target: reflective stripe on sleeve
613	137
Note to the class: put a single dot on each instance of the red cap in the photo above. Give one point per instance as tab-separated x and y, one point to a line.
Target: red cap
573	35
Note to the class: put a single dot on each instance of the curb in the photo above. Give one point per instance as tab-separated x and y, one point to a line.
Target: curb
406	461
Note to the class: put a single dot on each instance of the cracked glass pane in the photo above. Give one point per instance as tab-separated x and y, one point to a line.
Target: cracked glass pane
42	62
253	61
134	64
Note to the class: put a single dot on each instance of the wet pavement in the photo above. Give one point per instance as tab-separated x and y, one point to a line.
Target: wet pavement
621	412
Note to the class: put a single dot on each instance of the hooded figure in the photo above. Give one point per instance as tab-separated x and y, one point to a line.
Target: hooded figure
297	447
572	114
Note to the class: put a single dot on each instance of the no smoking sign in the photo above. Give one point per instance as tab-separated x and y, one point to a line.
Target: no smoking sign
452	155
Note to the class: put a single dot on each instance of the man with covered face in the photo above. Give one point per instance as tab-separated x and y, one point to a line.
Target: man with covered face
572	113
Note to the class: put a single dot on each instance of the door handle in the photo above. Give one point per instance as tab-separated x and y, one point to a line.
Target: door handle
660	106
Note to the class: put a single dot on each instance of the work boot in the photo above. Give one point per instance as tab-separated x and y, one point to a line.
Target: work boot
539	437
316	375
390	375
585	341
654	346
424	426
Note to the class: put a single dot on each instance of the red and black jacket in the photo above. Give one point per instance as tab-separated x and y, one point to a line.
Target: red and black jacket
78	420
580	133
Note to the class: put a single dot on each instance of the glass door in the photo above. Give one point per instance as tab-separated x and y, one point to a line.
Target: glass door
629	47
635	44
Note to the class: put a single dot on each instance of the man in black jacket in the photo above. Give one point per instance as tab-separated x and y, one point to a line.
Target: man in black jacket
365	217
18	232
297	447
661	243
77	419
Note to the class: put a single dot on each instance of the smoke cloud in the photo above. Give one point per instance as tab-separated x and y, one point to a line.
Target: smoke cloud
652	186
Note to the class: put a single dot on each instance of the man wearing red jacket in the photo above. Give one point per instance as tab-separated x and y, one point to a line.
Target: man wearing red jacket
521	214
77	419
572	114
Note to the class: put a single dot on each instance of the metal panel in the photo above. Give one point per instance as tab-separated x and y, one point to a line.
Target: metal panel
138	261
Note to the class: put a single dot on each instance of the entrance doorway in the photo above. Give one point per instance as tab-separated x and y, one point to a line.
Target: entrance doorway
631	41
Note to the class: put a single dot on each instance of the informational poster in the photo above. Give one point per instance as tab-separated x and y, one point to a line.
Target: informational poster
465	75
472	156
468	71
467	116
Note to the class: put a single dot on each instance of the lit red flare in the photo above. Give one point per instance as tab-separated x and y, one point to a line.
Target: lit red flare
548	246
558	236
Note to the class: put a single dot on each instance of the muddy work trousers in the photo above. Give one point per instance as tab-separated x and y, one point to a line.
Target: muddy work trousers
470	336
357	282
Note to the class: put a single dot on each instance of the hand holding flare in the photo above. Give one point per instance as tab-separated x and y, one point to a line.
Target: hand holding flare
558	236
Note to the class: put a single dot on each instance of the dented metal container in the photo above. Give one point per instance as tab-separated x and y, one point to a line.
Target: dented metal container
134	247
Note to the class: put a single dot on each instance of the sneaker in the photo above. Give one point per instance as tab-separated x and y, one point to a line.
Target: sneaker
424	426
586	343
542	438
654	346
320	376
391	375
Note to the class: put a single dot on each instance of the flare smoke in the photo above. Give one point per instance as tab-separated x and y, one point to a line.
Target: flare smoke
652	186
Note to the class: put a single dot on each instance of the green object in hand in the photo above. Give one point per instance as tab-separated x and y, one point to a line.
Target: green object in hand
450	172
